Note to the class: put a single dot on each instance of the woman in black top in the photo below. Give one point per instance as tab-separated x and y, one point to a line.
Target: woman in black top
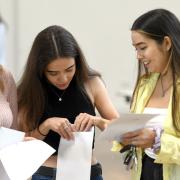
58	94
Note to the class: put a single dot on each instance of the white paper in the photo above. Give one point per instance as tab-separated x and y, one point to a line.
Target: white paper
22	159
74	157
9	136
126	123
3	174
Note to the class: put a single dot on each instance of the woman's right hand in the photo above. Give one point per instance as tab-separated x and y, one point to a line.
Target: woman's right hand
143	138
62	126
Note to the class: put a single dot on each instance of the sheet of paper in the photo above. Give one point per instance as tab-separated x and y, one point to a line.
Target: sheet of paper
9	136
22	159
74	157
3	174
126	123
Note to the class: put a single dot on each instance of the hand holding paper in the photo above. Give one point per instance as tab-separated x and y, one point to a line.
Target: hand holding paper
126	123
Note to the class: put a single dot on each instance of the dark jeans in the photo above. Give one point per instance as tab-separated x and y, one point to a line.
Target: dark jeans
46	173
151	170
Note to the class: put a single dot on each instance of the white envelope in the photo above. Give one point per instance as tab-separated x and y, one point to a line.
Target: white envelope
74	157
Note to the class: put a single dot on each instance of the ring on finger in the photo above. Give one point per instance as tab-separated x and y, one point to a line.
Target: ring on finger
66	127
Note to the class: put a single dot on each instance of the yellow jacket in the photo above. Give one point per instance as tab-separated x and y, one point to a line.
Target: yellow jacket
169	154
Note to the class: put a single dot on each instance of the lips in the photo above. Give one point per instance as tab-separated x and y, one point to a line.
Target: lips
146	63
62	86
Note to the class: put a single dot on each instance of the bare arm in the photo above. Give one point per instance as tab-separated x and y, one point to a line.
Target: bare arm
100	98
60	125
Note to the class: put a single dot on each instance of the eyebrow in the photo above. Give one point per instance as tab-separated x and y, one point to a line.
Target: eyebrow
137	44
65	69
70	67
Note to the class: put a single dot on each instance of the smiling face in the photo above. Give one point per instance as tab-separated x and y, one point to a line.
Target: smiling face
153	55
60	72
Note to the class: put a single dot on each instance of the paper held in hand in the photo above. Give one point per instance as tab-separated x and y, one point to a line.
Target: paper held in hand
126	123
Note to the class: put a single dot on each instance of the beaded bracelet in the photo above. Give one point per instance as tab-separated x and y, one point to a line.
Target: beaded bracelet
157	142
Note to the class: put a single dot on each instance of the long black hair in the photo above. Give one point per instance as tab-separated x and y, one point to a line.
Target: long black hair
51	43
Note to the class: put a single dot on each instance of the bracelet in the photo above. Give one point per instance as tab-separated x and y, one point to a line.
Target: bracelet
40	132
157	142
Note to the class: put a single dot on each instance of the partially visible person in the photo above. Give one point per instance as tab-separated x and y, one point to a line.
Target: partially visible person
58	94
8	92
8	100
156	38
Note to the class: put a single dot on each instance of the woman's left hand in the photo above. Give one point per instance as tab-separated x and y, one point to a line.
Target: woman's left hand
84	122
143	138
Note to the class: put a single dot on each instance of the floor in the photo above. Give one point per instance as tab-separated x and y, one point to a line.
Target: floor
113	168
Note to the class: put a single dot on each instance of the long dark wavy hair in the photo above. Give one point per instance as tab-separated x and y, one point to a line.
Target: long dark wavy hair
51	43
156	24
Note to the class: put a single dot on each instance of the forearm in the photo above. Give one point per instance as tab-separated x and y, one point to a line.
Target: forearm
101	123
40	132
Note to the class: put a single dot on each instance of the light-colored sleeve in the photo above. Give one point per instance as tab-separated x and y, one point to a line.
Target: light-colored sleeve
12	98
170	149
116	146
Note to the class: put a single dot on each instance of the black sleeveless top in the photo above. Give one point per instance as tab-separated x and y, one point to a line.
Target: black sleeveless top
74	102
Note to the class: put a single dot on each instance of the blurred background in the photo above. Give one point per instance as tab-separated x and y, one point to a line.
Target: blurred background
102	28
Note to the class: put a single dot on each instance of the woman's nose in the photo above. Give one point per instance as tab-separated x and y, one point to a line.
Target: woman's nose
139	56
62	79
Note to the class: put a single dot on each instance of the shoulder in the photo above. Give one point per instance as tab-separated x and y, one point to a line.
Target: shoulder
6	76
5	73
95	81
94	85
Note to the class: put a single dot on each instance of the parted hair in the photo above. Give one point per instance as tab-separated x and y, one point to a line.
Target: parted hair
51	43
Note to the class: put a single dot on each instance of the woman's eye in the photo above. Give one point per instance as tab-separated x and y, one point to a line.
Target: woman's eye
69	70
142	48
53	73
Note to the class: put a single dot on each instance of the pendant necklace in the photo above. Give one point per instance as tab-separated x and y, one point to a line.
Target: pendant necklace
59	96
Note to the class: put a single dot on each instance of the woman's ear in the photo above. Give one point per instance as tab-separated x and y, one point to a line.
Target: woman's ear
167	43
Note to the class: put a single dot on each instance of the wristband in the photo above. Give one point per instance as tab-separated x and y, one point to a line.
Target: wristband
157	141
40	132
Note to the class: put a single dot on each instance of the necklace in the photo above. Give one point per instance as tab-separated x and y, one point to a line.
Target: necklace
59	96
164	90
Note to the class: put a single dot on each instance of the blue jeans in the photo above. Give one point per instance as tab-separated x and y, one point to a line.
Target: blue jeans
47	173
99	177
40	177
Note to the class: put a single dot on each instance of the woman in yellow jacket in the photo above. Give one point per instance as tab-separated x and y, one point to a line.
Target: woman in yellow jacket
156	38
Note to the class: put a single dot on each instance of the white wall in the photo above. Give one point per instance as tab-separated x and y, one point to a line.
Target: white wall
102	28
